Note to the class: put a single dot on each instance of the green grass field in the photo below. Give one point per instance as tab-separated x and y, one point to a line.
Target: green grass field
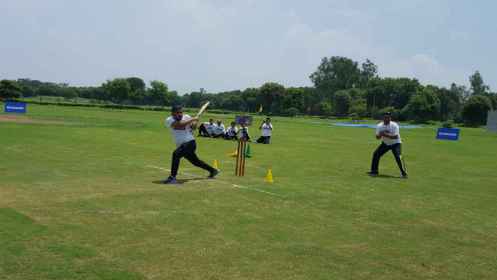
80	199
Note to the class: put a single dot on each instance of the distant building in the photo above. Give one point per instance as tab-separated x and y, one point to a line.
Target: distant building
492	121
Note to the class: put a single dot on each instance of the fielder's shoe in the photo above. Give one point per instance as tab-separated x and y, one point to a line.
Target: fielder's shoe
213	174
372	174
170	181
403	176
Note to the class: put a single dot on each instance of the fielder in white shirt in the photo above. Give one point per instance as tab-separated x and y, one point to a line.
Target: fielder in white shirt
388	132
181	128
266	132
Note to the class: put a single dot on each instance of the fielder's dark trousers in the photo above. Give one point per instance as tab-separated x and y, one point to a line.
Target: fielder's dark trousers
381	150
264	139
187	150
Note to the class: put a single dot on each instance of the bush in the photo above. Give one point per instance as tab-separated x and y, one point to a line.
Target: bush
342	102
475	110
325	108
423	106
448	124
9	89
359	108
354	116
291	112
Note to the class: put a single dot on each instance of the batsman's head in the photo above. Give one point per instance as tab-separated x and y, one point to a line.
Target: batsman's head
387	117
177	112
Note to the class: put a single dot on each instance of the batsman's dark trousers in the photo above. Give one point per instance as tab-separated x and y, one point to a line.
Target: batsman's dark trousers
381	150
187	150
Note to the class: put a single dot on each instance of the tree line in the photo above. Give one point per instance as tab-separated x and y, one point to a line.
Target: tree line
342	88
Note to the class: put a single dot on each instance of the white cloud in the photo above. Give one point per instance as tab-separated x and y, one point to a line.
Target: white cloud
222	45
426	69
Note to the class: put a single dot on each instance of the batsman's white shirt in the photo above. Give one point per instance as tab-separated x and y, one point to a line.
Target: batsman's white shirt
392	128
180	135
266	129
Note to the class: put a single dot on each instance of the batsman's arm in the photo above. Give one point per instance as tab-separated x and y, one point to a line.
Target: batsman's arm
391	136
183	123
379	134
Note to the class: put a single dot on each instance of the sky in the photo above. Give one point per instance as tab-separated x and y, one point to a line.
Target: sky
225	45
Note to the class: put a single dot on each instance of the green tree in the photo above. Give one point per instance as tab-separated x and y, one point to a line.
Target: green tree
293	98
478	87
423	106
136	84
250	99
117	90
194	99
9	89
47	89
291	112
475	110
335	73
68	92
341	102
271	94
450	103
158	94
358	107
369	71
138	94
390	92
325	108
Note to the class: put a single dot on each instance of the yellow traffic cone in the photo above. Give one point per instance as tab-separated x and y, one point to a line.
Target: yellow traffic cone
215	165
269	177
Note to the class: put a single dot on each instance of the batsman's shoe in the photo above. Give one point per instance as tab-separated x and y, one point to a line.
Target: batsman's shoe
404	176
213	174
170	181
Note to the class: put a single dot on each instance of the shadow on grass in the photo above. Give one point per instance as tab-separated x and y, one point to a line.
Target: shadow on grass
382	176
180	181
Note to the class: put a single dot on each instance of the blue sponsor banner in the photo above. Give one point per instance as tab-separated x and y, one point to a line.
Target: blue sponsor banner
15	107
448	134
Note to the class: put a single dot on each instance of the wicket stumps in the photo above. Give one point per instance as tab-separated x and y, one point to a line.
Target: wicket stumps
240	158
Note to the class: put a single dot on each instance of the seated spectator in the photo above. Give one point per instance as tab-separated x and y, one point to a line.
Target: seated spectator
206	129
218	130
202	130
231	132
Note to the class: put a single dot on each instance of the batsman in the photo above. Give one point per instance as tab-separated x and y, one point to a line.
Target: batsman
182	126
